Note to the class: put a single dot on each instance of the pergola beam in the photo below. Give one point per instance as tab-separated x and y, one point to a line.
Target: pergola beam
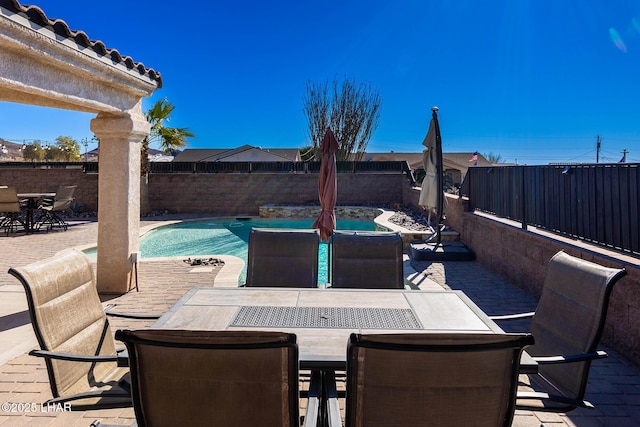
42	63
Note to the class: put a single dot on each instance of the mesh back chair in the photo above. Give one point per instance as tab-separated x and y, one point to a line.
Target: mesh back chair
213	378
51	206
567	326
283	258
10	210
73	333
431	380
366	260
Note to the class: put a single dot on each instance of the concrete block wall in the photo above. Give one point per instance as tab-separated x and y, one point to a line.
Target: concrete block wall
233	194
521	256
221	194
37	180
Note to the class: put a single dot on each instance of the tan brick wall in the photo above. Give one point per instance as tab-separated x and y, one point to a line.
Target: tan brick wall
521	256
37	180
232	194
224	193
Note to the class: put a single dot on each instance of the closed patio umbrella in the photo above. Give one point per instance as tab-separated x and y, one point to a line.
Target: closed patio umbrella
327	187
431	194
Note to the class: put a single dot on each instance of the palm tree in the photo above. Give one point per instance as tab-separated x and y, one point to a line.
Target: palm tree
169	138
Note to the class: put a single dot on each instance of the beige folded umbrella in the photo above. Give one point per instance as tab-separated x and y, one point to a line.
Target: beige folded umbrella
431	194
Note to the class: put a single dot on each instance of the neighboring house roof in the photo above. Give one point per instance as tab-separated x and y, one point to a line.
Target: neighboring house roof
243	153
35	15
249	153
152	153
453	160
197	154
411	158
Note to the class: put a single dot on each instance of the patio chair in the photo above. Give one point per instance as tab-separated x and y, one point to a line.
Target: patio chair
10	210
567	326
50	208
429	380
230	378
283	258
73	333
362	259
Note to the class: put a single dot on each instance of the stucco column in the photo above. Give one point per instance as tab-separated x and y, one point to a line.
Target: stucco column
118	196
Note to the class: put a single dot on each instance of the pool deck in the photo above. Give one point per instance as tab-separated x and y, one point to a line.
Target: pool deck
614	384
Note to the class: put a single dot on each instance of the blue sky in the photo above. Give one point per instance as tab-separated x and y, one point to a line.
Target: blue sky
532	81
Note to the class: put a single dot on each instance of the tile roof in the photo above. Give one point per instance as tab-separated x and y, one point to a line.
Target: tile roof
37	16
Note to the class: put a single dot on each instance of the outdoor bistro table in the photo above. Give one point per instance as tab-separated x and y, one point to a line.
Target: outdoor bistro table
323	319
32	203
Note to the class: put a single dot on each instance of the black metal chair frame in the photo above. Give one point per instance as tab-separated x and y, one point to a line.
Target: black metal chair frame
516	342
312	416
560	403
121	358
11	220
49	213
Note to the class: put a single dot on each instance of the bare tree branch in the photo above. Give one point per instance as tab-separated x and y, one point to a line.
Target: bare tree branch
351	110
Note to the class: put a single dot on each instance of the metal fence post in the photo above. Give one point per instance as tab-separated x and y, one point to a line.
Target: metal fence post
523	203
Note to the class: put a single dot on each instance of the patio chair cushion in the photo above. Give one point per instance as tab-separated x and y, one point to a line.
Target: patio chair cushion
51	205
9	200
363	259
10	209
432	379
217	378
68	317
570	318
283	257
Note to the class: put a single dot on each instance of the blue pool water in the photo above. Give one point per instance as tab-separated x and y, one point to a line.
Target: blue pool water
228	237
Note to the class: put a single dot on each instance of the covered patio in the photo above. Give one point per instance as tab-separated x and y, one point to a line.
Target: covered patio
45	63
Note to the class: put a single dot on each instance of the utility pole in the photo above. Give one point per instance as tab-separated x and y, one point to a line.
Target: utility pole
85	143
624	156
598	149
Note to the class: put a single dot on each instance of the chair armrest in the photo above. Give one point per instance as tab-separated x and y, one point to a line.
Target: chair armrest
542	396
332	407
108	312
582	357
123	358
513	316
72	357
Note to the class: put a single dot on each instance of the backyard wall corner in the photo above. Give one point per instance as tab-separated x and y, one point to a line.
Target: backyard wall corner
521	256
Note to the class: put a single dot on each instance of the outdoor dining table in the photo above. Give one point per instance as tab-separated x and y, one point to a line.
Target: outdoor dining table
323	319
32	204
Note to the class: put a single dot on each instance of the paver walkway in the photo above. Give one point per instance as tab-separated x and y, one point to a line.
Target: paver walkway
614	386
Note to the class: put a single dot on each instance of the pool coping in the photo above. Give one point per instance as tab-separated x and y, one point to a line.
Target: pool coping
232	268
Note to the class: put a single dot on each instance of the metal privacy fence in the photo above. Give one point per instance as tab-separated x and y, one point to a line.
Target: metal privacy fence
599	203
229	167
276	167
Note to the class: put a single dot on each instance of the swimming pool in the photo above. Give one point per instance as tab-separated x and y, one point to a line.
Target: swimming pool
228	237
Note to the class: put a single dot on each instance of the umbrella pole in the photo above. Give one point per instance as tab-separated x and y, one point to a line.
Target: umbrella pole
439	173
329	245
